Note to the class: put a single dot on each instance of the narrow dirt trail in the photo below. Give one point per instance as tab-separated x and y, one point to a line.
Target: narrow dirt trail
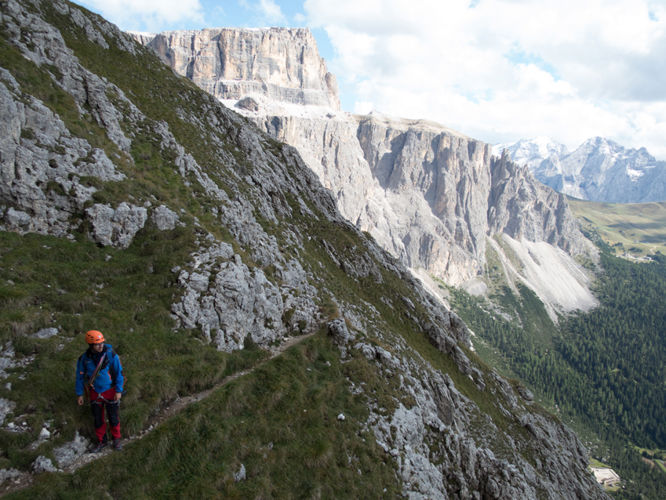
164	414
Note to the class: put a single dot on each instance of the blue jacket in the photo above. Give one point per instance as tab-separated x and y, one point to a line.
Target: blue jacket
110	374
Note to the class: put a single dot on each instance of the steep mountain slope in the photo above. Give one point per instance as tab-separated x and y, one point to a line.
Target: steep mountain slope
432	197
598	170
135	203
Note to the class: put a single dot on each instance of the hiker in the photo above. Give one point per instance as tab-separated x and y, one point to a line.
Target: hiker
100	374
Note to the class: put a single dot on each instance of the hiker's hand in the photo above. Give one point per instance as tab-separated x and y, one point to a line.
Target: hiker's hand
118	396
79	400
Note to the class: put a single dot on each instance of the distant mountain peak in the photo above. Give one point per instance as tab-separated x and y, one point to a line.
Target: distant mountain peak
531	152
600	169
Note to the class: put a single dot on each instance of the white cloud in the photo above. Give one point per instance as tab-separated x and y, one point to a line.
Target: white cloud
265	12
271	11
149	15
505	69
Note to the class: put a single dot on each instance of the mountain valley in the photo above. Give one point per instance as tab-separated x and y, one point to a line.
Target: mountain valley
307	302
135	203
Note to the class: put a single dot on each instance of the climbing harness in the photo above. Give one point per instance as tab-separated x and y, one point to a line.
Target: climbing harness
101	400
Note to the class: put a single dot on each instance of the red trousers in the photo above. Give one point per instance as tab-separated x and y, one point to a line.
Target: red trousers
98	402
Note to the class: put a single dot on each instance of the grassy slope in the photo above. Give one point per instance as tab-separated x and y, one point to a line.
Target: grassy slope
279	421
638	229
46	282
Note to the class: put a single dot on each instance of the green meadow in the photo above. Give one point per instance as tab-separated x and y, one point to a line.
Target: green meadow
631	229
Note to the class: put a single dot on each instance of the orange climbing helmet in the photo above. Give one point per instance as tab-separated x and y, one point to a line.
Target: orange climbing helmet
94	337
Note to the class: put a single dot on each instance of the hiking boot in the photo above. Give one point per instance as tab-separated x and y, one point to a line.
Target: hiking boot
117	445
98	447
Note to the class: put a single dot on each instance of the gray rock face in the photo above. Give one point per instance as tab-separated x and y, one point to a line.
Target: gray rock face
229	302
427	194
241	475
46	333
43	464
248	104
9	474
41	165
260	284
9	359
116	227
522	208
66	454
436	438
164	218
6	407
234	63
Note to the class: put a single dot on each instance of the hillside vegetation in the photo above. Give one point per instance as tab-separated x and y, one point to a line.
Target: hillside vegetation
141	207
603	370
634	229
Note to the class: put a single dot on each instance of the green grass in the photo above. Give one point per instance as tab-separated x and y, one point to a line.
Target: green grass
280	422
637	229
77	286
596	463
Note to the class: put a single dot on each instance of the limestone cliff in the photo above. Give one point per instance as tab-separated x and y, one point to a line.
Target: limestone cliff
429	195
233	63
191	228
435	199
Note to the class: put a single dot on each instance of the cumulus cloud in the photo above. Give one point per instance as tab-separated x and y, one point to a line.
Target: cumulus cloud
146	14
265	12
271	11
505	69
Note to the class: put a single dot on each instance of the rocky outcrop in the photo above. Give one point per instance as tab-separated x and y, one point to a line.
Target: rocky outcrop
429	195
42	165
283	64
524	209
116	227
231	303
434	438
271	256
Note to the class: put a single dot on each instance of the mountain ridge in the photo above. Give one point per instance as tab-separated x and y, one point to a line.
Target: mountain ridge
216	243
431	196
597	170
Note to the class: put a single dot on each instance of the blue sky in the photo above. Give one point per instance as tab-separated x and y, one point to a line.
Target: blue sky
155	16
496	70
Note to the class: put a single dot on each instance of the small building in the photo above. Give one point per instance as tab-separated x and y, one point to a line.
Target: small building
606	477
